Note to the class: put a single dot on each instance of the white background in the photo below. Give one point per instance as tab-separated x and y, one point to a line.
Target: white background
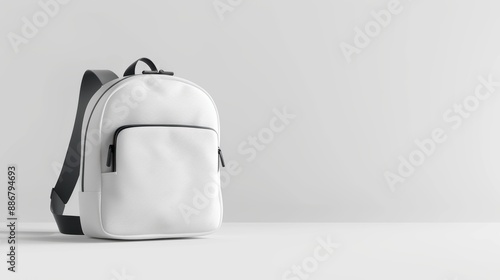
353	120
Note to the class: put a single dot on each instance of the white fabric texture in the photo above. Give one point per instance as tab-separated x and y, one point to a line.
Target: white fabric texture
159	172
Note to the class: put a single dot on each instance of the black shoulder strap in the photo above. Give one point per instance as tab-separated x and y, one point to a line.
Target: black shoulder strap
91	83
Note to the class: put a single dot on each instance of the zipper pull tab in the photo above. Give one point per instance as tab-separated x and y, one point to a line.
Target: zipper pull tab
221	158
110	155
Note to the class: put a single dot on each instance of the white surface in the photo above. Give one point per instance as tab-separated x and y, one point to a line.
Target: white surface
267	251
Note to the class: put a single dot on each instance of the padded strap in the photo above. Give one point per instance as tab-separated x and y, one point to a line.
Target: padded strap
60	194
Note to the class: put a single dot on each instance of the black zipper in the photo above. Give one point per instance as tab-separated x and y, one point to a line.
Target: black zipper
221	158
111	158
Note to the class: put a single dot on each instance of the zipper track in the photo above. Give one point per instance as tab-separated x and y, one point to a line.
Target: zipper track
121	128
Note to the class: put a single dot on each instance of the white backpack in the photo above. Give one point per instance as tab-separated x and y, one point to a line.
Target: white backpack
145	154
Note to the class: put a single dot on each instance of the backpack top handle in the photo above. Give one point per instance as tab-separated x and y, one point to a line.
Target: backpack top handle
131	69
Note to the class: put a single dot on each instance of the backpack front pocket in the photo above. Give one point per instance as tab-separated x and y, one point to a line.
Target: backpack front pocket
165	180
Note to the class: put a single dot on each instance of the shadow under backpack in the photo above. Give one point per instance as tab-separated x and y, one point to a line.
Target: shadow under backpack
145	156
